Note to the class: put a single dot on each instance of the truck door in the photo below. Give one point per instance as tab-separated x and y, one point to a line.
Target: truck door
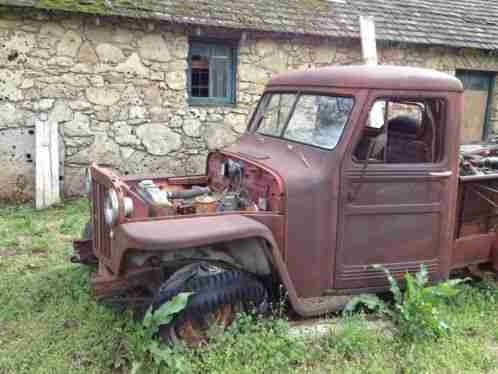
396	192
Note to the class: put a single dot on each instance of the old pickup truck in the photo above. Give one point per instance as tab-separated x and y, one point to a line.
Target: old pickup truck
340	168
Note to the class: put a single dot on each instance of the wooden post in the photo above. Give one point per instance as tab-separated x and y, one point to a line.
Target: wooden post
47	164
368	40
369	51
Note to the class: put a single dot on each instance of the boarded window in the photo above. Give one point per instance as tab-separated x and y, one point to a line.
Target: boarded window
211	73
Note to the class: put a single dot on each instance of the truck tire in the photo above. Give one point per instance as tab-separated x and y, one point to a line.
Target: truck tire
83	253
217	296
87	233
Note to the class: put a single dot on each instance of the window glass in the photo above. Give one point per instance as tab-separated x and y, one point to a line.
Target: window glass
377	115
410	132
314	119
211	73
199	72
319	120
276	112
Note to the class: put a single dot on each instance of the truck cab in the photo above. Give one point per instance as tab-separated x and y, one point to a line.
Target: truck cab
340	168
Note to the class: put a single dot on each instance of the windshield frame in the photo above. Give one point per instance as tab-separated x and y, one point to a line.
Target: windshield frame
253	126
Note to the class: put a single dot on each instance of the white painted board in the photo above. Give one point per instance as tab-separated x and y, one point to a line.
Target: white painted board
47	164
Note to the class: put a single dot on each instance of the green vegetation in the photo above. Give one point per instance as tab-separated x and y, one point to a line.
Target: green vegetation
416	309
149	344
50	322
98	7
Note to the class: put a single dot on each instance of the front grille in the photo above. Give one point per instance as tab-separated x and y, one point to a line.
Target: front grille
102	237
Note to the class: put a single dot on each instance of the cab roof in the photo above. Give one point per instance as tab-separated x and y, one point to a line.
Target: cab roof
363	76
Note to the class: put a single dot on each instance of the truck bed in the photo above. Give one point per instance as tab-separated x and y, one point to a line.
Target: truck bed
477	207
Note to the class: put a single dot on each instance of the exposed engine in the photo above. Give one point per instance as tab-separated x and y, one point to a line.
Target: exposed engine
230	185
478	160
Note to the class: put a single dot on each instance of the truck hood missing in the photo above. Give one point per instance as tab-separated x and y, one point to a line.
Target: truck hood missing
310	182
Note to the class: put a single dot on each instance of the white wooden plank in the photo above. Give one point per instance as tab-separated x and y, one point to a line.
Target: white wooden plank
47	164
41	145
54	197
369	52
368	40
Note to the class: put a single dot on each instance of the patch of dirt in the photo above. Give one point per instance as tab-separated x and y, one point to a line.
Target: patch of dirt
319	327
4	252
493	347
70	324
24	240
53	226
39	252
312	327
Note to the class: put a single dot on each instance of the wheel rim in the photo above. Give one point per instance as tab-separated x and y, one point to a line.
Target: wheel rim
194	333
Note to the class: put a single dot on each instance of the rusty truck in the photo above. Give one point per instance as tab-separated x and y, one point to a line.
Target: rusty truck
340	168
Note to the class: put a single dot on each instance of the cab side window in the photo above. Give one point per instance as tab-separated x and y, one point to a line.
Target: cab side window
402	131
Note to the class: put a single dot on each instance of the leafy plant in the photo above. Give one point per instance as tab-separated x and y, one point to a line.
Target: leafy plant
152	321
415	311
165	313
370	302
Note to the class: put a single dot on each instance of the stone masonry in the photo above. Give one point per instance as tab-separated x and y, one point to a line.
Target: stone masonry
118	90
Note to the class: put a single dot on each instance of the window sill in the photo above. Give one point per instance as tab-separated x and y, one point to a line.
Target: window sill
211	104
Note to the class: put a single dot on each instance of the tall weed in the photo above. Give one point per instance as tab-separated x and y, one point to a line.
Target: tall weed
415	311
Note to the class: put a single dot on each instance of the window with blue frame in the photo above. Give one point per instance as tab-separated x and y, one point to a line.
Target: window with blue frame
211	73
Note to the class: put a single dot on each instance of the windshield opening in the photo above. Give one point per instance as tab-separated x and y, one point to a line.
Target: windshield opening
316	120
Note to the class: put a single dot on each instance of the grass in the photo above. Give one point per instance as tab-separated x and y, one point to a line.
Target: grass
50	323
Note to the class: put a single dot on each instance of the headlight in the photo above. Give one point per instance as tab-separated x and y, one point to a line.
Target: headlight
88	182
111	207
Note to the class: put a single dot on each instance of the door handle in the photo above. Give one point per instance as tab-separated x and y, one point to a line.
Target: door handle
441	174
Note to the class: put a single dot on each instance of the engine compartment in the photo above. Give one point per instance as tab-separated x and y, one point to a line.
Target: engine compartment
230	185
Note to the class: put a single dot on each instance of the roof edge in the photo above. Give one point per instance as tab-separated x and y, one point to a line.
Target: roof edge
129	9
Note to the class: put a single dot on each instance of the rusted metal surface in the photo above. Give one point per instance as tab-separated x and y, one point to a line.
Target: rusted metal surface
322	237
472	249
108	285
369	77
177	234
310	206
477	206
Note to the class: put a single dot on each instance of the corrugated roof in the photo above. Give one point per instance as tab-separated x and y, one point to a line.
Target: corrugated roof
456	23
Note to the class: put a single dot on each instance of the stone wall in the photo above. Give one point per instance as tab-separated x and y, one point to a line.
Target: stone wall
118	90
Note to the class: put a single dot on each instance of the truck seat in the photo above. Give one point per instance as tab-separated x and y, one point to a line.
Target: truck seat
404	144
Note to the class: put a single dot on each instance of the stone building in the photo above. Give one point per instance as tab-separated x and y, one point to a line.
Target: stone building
151	86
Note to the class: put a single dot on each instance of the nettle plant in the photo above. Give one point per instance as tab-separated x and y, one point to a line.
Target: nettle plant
415	311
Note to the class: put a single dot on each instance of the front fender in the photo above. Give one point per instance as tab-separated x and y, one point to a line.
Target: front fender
183	233
176	234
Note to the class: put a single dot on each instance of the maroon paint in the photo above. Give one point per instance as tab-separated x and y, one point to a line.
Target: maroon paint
322	237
